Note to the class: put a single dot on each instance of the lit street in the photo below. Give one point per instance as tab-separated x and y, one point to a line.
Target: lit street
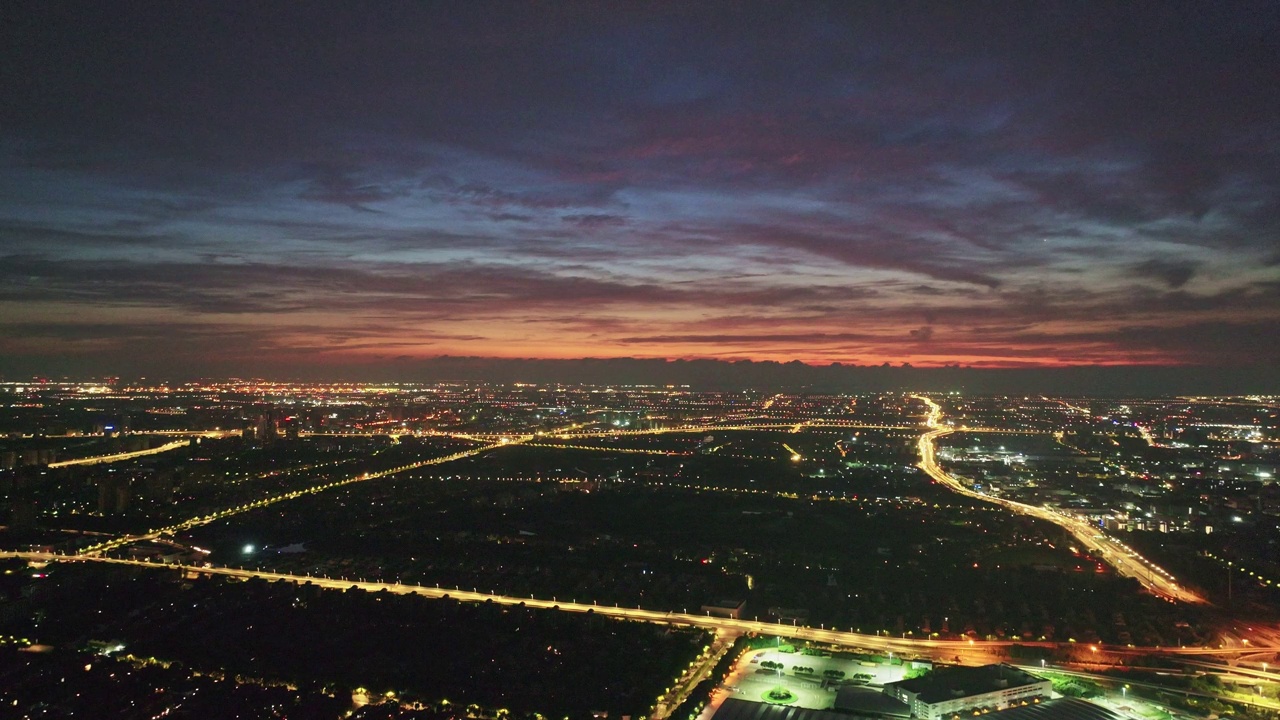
969	652
1125	561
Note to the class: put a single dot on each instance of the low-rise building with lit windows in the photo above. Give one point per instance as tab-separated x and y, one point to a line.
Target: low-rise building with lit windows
958	692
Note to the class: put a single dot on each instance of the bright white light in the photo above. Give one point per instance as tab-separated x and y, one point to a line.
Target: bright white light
248	549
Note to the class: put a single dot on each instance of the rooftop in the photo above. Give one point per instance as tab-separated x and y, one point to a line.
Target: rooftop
865	701
1066	708
737	709
947	683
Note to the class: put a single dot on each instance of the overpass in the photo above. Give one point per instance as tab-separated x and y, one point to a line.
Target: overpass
968	651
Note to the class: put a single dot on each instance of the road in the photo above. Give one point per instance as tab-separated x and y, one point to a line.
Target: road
565	434
116	457
1119	556
264	502
501	442
697	671
1112	680
973	652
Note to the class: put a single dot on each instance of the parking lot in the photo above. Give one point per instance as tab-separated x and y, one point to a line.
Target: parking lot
750	680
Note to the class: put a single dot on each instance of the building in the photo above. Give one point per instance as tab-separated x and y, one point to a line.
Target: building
738	709
265	428
1060	709
1066	708
725	608
867	702
114	493
947	693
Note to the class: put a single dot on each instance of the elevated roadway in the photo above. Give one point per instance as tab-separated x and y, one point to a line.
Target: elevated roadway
966	651
117	457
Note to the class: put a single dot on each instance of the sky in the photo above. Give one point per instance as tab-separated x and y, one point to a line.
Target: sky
285	187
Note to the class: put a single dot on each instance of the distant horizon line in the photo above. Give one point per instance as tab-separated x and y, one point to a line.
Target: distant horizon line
715	374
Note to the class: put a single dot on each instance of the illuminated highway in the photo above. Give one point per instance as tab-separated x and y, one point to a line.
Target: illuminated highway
633	451
1115	553
228	512
116	457
697	671
1112	680
566	434
966	651
501	442
216	434
784	426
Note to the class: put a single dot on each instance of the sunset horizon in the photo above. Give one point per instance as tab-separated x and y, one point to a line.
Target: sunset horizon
184	186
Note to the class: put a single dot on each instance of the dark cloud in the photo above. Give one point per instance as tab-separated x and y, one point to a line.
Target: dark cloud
425	289
595	220
1173	273
878	247
801	338
510	217
30	237
1070	183
335	187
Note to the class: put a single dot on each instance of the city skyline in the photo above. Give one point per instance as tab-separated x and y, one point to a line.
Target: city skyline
645	360
523	551
189	189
